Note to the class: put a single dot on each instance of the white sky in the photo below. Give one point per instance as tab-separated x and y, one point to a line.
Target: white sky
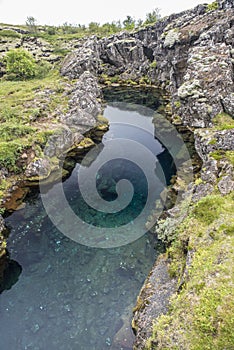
57	12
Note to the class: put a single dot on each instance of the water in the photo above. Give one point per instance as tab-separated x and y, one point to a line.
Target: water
67	296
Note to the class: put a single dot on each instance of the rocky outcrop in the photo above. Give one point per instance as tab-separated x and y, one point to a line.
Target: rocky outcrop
83	109
189	54
214	147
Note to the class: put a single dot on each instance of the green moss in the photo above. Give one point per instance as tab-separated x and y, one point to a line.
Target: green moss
207	209
102	119
198	181
221	154
86	143
3	187
42	137
213	142
223	121
144	81
153	64
177	104
9	131
218	155
19	127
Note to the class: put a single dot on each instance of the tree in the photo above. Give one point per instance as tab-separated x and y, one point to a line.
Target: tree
94	27
129	23
139	23
153	16
20	64
31	22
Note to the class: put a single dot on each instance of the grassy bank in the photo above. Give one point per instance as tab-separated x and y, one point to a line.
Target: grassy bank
200	316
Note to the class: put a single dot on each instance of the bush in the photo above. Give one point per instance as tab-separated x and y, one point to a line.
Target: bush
212	7
20	64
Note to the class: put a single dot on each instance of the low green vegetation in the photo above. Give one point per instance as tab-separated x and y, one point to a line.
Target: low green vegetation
222	155
9	33
213	6
223	121
9	154
201	314
153	65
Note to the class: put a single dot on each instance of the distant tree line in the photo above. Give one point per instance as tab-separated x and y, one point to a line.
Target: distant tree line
130	23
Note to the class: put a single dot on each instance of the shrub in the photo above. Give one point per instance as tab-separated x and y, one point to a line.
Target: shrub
20	64
213	6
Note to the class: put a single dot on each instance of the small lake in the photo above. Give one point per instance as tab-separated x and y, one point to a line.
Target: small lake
72	296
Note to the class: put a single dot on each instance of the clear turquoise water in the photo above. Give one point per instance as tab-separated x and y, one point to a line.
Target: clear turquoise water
70	296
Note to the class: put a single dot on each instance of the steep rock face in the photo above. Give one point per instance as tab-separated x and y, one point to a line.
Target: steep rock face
211	145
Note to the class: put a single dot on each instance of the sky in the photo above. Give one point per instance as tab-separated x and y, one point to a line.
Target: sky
57	12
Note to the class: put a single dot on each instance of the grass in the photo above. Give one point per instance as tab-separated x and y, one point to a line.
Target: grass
9	131
207	209
201	315
9	33
9	153
17	98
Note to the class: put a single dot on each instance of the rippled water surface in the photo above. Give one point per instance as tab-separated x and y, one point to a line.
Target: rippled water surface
70	296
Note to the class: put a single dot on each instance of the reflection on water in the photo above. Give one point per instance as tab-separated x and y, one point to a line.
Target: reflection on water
70	296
